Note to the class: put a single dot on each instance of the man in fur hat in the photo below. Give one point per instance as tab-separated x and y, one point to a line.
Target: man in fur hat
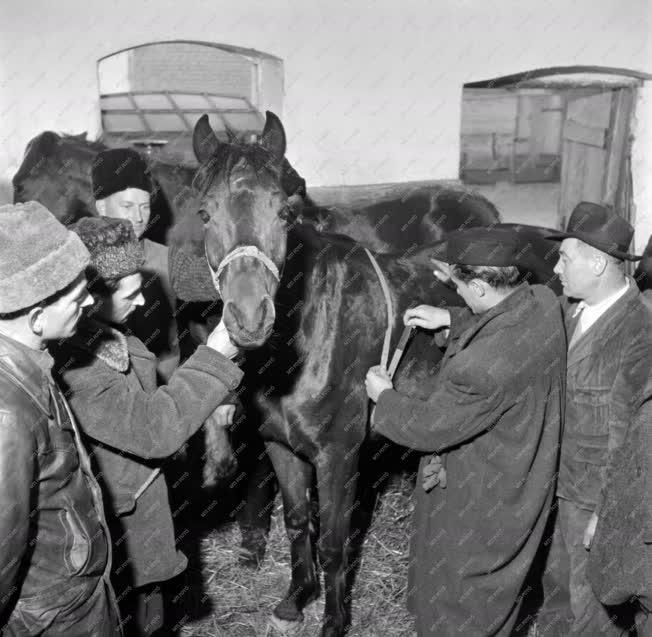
55	556
609	363
122	189
495	412
131	424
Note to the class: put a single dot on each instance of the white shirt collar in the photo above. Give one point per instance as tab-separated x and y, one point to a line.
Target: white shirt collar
591	313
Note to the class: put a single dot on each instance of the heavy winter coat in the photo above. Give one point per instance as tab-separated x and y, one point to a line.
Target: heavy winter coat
496	410
54	541
131	425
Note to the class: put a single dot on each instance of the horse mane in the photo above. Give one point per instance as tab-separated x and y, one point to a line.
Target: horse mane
228	155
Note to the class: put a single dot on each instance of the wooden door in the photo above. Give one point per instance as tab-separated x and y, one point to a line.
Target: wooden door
595	149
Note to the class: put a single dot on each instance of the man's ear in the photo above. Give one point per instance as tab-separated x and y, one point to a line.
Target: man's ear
478	287
100	206
35	320
599	264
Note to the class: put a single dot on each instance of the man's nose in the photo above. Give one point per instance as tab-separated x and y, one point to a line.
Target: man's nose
139	301
557	269
88	300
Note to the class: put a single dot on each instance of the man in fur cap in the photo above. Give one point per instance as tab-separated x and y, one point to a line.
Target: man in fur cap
122	188
55	556
131	424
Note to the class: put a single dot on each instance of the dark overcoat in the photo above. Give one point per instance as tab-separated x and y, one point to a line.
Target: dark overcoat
496	410
130	426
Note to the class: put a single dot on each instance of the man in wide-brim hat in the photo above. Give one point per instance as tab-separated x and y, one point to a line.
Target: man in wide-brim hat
494	412
609	361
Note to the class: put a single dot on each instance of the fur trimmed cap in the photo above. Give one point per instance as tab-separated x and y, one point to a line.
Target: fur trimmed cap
114	248
117	169
39	256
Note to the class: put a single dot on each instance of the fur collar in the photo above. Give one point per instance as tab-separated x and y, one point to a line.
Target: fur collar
103	342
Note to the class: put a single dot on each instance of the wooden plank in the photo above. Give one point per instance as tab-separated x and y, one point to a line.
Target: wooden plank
575	131
619	146
591	110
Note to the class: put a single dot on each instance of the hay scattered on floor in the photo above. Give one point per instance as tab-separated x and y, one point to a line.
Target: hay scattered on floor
238	602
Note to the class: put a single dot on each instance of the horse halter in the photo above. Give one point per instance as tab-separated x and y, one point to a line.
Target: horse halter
237	253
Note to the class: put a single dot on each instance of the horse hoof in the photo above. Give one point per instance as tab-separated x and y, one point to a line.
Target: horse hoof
250	559
252	548
285	627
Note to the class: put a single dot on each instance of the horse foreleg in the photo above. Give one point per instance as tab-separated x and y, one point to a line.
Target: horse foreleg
219	459
295	478
336	484
254	489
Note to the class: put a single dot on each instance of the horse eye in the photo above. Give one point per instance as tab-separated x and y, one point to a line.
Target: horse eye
203	215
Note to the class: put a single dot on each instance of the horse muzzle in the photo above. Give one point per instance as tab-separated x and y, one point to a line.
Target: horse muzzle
249	323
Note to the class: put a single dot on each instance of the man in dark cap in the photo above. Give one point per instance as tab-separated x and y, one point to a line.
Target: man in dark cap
122	189
609	363
495	413
55	555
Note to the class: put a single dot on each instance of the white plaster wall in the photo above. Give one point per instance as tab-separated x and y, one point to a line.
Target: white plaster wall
372	89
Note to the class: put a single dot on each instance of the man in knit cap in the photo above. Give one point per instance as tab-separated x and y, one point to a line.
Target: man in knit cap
122	188
131	424
55	557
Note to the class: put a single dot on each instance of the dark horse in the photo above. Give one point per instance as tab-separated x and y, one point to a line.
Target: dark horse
309	310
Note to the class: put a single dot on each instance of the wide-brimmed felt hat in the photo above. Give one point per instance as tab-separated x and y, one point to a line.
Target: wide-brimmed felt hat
479	246
599	226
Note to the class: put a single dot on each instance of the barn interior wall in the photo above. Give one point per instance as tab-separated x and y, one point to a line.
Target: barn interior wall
372	90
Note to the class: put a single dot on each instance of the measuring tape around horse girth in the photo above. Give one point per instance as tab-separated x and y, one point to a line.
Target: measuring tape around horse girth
405	336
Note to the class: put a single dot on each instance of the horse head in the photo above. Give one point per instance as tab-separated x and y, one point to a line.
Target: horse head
55	172
245	214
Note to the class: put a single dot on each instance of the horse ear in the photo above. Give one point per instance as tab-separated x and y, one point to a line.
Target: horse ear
204	140
273	137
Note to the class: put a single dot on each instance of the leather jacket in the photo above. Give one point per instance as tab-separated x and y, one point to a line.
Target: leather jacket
53	533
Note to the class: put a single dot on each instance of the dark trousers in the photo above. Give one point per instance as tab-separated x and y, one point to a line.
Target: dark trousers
81	610
142	611
570	607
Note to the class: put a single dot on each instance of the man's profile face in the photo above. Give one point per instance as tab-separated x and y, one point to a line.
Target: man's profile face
575	269
124	300
468	291
131	204
59	319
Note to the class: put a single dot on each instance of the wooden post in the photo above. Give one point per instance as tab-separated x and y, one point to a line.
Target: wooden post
642	167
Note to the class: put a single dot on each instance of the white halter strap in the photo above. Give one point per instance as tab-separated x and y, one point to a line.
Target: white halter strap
237	253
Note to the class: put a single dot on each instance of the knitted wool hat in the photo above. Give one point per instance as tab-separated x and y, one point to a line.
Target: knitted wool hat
117	169
39	256
114	248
